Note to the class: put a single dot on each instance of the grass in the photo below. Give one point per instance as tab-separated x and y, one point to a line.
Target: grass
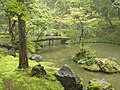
11	78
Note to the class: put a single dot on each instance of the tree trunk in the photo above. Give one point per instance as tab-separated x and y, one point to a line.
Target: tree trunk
23	58
81	38
11	28
119	13
81	34
106	14
10	24
109	21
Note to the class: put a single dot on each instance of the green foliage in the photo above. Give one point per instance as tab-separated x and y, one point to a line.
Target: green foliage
13	6
65	15
85	56
31	47
93	67
79	18
40	18
5	38
106	34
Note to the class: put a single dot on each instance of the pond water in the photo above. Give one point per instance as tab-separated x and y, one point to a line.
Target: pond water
62	54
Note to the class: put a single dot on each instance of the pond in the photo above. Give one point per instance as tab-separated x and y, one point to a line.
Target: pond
62	54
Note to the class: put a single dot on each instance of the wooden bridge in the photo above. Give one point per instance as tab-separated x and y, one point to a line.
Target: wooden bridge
52	38
48	38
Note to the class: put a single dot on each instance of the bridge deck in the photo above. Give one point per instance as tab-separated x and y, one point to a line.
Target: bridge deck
48	38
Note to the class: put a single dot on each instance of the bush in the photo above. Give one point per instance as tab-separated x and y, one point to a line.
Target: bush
31	47
85	56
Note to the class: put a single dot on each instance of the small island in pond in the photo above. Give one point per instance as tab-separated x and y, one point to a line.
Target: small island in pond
87	58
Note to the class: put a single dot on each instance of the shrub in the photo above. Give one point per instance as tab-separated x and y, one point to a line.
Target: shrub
86	55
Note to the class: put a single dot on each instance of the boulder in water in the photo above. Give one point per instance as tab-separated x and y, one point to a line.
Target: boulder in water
109	66
106	65
68	79
99	85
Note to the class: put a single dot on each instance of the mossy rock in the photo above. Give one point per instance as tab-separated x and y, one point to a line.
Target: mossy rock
38	71
109	66
99	85
104	65
93	67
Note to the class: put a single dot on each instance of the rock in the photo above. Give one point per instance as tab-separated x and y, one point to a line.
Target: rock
93	67
99	85
8	48
35	57
106	65
38	71
68	79
109	66
11	52
5	45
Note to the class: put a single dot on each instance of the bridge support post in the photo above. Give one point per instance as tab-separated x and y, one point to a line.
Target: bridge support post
52	43
49	43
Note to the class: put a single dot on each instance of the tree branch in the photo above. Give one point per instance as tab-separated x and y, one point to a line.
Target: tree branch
114	5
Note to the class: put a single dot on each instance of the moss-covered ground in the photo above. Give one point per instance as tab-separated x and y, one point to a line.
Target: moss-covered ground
12	78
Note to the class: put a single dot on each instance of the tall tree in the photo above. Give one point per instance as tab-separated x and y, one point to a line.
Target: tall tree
23	59
18	8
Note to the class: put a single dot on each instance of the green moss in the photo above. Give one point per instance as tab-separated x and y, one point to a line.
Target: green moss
106	65
95	85
93	67
1	84
110	66
2	50
99	85
16	79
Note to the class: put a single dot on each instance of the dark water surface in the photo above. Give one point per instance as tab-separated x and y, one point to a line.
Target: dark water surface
61	55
